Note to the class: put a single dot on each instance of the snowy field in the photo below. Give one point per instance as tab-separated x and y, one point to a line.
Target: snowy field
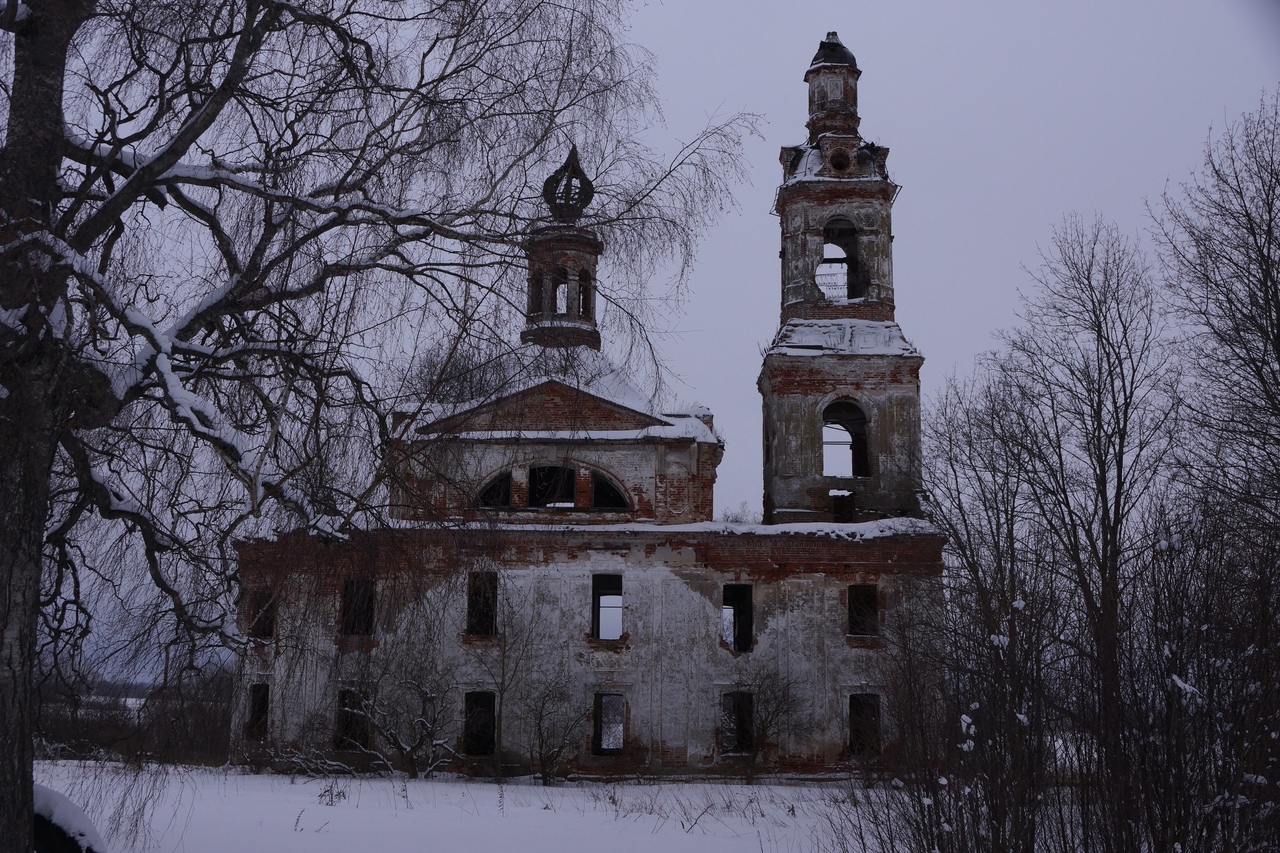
219	811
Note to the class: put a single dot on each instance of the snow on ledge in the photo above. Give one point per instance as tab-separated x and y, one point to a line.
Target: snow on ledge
854	532
841	336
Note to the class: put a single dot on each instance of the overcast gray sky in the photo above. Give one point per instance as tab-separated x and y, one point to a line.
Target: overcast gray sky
1000	118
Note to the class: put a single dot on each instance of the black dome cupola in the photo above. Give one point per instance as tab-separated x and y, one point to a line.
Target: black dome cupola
833	89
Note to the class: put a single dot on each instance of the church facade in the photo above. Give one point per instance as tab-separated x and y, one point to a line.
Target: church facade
555	593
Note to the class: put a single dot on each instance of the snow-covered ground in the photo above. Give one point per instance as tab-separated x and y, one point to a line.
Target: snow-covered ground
219	811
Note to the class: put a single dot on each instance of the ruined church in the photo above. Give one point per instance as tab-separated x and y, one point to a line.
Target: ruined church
555	593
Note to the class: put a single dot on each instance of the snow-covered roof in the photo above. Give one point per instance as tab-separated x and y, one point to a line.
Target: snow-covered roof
841	337
530	365
680	427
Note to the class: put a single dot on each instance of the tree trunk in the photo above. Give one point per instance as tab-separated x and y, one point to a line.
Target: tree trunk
34	397
26	434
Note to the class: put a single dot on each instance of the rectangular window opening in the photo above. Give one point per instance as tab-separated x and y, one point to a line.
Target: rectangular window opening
358	598
352	728
482	603
610	723
478	723
256	723
262	614
737	619
606	607
864	610
864	725
552	486
737	721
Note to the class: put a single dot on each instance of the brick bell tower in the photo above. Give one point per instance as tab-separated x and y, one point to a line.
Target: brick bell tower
561	308
840	382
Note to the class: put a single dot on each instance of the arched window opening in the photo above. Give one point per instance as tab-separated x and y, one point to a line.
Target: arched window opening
560	291
497	492
604	494
551	486
586	298
844	441
840	275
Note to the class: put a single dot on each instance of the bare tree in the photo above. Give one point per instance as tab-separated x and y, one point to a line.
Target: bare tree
214	218
1220	237
410	686
1042	471
556	713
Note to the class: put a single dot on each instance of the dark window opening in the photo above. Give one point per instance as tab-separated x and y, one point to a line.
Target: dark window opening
552	486
864	724
352	729
864	610
737	721
585	297
606	607
482	603
604	494
843	506
478	723
841	274
610	723
560	291
255	724
737	617
497	492
262	614
357	607
844	441
536	308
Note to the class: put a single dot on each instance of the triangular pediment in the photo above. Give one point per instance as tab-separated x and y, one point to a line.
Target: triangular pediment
550	406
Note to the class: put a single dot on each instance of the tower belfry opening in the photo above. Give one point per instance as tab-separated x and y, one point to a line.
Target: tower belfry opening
839	273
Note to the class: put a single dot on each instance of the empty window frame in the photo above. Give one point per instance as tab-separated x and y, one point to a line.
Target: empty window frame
258	719
261	614
351	729
864	610
604	494
610	724
864	724
536	308
736	616
737	721
840	261
358	604
482	603
478	723
844	441
551	486
606	607
560	291
497	492
586	304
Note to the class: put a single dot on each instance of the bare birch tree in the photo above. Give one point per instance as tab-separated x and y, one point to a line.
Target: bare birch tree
1220	241
212	218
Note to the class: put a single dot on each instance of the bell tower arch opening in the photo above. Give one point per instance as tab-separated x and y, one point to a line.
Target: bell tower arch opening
844	441
840	274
